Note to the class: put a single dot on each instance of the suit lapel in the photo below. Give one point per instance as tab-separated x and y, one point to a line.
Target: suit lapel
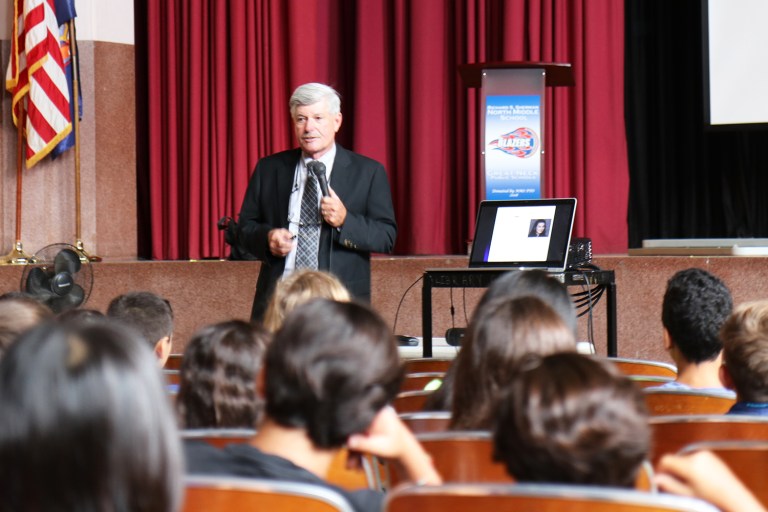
285	177
340	177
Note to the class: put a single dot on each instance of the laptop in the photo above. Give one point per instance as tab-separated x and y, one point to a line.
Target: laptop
523	234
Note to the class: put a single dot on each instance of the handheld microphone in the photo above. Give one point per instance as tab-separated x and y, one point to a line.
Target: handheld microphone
318	169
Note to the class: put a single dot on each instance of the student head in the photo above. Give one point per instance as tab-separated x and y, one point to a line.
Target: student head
149	314
298	288
745	351
86	423
218	376
18	313
570	418
696	304
329	369
501	333
536	283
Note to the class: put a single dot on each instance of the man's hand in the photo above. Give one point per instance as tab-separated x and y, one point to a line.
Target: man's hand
280	241
333	210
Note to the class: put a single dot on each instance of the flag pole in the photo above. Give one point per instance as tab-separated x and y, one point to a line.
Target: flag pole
76	126
17	256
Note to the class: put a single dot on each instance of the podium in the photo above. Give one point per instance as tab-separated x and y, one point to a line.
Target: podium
483	277
512	123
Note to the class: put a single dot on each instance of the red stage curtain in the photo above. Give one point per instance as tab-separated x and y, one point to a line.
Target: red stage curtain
219	75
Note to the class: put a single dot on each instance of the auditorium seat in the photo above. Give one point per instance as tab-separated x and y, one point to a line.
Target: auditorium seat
526	497
218	437
460	456
173	362
649	381
230	494
747	459
421	422
418	381
426	364
467	457
410	401
671	433
338	474
642	367
675	401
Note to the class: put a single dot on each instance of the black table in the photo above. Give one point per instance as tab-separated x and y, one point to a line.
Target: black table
482	277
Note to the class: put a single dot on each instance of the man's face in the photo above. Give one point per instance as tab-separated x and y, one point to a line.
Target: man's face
315	128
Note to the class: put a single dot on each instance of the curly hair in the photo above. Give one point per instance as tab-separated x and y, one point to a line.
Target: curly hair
218	377
696	303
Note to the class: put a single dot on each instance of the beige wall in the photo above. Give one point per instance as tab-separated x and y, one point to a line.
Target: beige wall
107	147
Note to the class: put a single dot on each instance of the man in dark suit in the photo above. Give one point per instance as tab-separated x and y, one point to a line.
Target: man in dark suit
357	217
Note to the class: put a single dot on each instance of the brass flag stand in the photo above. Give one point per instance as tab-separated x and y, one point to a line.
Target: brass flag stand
17	256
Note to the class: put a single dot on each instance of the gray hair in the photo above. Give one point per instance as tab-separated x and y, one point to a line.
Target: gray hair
309	94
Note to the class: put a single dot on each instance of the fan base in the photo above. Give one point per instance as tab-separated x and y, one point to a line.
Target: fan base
17	256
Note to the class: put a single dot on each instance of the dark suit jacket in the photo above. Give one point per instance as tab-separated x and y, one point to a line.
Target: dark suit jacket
361	184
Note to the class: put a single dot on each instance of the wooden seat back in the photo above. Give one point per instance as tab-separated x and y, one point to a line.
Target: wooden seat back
422	422
173	362
535	498
460	456
649	381
426	364
226	494
629	366
418	381
674	401
410	401
671	433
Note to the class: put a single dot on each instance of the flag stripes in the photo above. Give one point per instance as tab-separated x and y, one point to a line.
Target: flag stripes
36	72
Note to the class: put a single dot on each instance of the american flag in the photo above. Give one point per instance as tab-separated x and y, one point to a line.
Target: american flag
36	71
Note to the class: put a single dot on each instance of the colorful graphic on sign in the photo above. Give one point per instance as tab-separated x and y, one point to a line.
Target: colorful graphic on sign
513	147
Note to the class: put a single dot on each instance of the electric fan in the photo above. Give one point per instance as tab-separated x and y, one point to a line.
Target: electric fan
59	277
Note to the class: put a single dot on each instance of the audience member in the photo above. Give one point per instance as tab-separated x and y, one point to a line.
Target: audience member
328	376
695	306
218	377
298	288
86	424
571	418
150	315
513	284
501	333
80	316
745	357
18	313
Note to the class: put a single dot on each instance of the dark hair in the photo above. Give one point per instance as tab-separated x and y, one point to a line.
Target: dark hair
536	283
86	424
218	376
17	314
532	232
695	306
80	316
146	312
745	350
570	418
501	333
329	369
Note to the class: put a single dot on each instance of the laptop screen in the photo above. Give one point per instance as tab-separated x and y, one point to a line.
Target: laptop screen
530	233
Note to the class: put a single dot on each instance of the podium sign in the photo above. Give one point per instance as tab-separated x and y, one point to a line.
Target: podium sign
512	129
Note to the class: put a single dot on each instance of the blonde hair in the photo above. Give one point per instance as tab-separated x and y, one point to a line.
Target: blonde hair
745	350
298	288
